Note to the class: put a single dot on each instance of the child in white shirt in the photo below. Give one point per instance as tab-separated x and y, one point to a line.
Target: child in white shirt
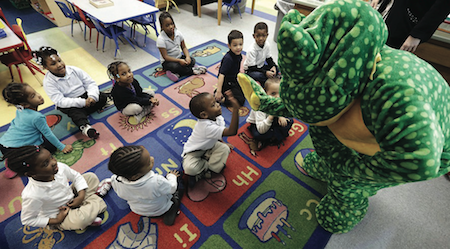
258	63
265	128
48	199
147	193
71	89
204	152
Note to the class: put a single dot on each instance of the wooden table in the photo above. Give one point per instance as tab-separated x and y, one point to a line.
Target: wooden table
11	40
219	9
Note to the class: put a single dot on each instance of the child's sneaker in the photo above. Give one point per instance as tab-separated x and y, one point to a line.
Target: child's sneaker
172	76
97	222
103	187
199	70
90	132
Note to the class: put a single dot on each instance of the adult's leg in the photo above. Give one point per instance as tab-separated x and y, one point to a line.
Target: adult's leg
349	182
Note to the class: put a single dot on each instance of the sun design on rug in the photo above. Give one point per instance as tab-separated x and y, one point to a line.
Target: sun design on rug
129	123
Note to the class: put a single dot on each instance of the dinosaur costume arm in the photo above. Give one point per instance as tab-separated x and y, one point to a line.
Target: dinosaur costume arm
259	100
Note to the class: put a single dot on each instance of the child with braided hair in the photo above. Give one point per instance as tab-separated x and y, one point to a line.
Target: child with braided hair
147	193
48	199
29	127
128	96
71	89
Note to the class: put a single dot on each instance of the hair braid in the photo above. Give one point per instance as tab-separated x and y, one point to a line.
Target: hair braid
14	93
126	161
21	160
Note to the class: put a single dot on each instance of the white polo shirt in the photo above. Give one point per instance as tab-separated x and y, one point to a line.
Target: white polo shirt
256	55
173	47
205	135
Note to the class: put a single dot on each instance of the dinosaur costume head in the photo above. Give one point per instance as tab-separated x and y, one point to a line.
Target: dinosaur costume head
327	58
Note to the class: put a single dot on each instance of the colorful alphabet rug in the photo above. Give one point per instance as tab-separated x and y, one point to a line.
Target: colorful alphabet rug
261	200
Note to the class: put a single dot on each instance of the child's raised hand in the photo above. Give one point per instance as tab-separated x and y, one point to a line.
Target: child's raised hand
154	101
175	172
67	149
282	121
270	74
231	98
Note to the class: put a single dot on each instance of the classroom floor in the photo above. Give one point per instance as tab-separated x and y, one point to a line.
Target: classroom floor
83	54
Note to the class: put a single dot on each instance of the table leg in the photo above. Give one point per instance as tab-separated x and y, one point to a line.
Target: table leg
253	6
199	9
219	12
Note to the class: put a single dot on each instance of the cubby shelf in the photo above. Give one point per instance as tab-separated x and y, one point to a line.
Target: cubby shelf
50	10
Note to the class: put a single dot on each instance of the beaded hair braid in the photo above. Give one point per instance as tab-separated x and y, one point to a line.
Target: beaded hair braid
20	159
113	70
126	161
43	53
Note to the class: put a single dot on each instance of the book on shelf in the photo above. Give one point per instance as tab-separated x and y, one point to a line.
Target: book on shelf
101	3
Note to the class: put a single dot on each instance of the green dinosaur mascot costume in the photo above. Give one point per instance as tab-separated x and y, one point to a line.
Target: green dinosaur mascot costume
379	117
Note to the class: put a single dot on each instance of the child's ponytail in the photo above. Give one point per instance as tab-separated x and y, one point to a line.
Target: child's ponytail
20	159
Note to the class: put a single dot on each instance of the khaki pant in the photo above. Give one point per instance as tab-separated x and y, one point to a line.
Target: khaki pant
93	205
214	159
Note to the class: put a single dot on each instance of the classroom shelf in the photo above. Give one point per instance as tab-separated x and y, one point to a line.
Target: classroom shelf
50	10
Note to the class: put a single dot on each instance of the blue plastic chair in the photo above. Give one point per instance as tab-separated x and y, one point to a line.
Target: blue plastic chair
69	14
112	32
230	5
143	21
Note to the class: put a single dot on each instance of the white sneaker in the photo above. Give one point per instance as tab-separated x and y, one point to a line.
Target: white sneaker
89	132
199	70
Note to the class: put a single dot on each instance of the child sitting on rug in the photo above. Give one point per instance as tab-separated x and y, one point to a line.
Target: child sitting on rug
147	193
169	42
29	127
204	151
258	63
48	199
72	90
268	129
229	68
128	96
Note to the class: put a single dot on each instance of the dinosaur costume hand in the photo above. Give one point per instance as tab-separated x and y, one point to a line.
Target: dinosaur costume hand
259	100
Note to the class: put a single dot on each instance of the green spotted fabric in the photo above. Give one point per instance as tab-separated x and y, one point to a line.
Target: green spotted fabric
327	60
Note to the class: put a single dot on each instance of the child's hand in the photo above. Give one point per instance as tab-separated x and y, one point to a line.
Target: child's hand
175	172
154	101
282	121
183	62
219	96
75	202
67	149
63	211
188	60
270	74
230	146
90	101
232	100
